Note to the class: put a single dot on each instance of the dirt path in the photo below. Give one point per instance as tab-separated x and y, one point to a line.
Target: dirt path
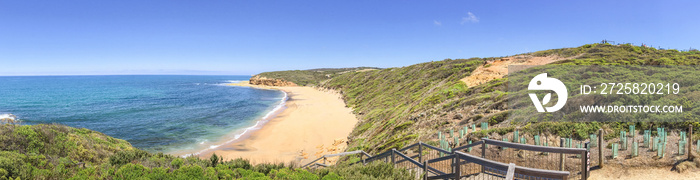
641	173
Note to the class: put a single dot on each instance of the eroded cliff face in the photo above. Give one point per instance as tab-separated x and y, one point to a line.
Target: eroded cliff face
258	80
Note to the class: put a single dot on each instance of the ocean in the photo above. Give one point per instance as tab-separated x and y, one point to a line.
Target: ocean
157	113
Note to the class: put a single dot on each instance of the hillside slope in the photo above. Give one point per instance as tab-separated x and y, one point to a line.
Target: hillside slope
401	106
309	77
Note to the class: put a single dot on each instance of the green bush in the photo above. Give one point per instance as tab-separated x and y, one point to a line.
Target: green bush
131	171
123	157
189	172
375	170
177	163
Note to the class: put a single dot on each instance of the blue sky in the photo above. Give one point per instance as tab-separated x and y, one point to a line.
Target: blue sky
249	37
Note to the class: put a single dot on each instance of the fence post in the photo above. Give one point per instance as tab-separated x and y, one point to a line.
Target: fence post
392	157
456	172
584	161
324	160
600	148
483	153
362	159
510	174
690	140
561	155
425	170
420	151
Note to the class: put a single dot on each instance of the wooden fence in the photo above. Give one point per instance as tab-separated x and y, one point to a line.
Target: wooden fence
437	163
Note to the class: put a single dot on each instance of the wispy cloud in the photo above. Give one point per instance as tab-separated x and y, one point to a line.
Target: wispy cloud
471	18
437	23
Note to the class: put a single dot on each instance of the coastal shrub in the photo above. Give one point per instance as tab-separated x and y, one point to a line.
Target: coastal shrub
267	167
189	172
123	157
130	171
159	173
177	162
240	163
214	160
374	170
14	165
332	176
286	173
245	173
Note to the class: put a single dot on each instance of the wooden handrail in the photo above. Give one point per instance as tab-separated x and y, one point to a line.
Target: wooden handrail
441	159
436	148
409	159
518	169
468	146
338	154
535	148
312	162
347	153
409	146
497	166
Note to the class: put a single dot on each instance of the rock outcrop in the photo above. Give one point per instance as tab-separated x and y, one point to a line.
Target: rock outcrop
258	80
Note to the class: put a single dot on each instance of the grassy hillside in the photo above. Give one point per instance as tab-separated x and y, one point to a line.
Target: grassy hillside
401	106
61	152
309	77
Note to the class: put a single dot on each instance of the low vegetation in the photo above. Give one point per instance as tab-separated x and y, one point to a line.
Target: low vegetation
61	152
310	77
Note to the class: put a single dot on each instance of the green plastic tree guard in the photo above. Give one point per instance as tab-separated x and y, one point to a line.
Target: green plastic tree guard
631	130
470	148
516	138
579	145
681	147
614	150
623	140
647	135
663	150
635	149
658	149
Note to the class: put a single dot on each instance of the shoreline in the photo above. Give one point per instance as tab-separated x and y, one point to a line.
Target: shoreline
310	124
238	134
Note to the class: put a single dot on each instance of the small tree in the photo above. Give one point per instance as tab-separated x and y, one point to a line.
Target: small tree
214	160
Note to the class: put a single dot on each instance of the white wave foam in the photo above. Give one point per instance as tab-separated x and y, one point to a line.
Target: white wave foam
8	116
258	125
226	82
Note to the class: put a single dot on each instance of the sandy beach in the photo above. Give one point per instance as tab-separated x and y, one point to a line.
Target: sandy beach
314	123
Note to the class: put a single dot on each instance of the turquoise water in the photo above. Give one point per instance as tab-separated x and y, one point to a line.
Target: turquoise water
154	113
